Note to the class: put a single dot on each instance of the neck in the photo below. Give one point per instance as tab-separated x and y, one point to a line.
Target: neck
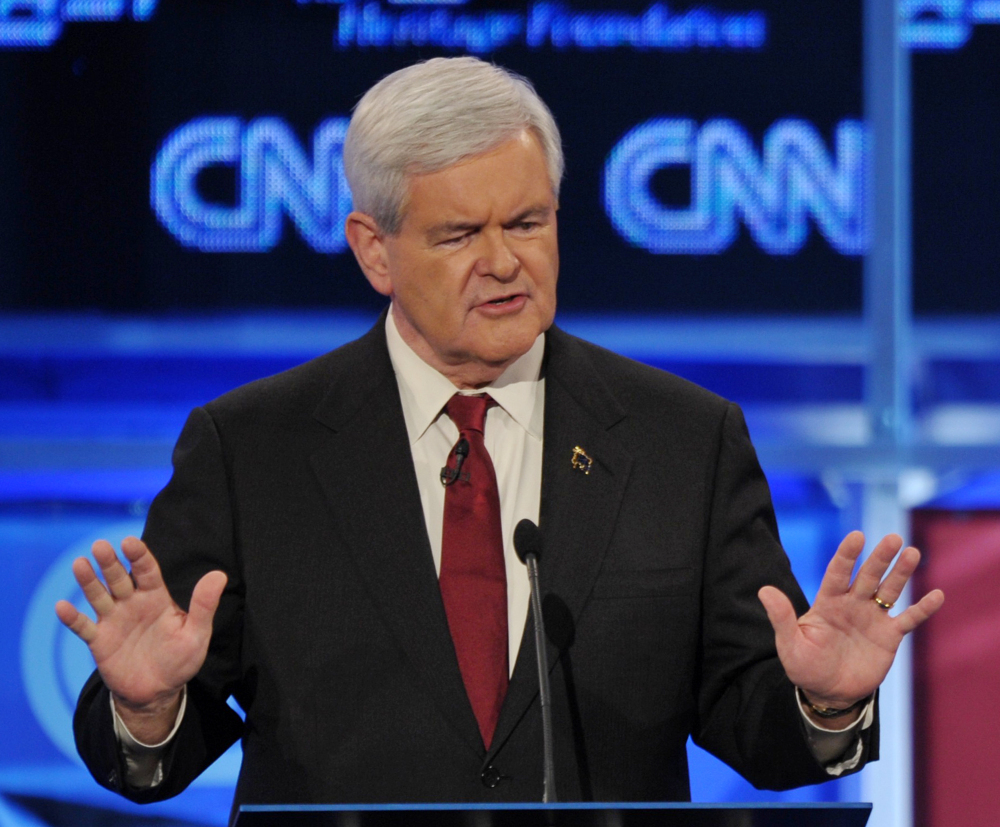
467	375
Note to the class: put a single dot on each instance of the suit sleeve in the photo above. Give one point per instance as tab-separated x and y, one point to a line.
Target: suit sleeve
189	529
748	715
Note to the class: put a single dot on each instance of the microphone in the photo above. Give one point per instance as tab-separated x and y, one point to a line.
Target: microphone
449	475
528	545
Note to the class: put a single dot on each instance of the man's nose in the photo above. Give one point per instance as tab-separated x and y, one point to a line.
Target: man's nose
496	258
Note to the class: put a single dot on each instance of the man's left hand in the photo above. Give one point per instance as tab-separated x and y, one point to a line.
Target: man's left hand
841	649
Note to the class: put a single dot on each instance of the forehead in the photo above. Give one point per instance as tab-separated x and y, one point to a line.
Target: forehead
502	181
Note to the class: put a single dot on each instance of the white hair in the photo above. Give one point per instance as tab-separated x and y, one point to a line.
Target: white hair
432	115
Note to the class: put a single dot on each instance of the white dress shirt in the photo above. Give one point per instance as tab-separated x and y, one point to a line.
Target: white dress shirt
513	437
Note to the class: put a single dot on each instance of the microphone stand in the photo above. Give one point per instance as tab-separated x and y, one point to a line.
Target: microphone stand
527	544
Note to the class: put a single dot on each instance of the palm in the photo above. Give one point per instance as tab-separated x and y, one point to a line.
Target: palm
144	645
841	649
146	649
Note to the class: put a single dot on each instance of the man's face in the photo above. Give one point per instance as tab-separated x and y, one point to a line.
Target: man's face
472	272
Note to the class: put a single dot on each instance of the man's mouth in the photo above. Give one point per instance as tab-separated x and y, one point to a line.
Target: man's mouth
504	305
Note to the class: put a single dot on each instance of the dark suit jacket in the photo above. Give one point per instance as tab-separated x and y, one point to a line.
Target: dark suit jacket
332	636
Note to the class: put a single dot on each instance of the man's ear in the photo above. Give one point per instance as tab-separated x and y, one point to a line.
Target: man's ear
366	242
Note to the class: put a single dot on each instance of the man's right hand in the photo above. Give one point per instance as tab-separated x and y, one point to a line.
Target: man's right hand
145	646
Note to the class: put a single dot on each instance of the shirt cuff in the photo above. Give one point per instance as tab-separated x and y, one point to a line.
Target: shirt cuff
838	750
144	762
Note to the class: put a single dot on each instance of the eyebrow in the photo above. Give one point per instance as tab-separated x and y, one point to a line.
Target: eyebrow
537	211
448	228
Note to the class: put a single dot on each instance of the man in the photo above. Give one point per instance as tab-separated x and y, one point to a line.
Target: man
341	534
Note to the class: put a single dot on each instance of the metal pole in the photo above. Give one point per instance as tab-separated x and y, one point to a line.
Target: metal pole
887	289
888	784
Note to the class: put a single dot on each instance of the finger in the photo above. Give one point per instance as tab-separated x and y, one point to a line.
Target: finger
119	583
145	569
781	613
205	600
93	589
837	579
76	621
899	575
871	571
920	611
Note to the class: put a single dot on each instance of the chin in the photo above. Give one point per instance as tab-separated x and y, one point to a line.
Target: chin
510	348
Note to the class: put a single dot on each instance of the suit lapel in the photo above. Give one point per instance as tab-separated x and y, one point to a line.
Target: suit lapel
578	510
365	469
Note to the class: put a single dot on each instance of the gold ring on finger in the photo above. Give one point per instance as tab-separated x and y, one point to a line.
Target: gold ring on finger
882	604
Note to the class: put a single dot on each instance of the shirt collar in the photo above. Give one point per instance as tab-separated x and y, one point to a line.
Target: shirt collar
424	391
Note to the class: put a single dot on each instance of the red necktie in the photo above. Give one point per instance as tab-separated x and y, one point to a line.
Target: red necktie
473	574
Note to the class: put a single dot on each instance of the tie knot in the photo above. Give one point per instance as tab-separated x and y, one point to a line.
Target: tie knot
469	412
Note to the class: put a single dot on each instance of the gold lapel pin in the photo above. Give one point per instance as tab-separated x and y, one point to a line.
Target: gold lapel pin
580	460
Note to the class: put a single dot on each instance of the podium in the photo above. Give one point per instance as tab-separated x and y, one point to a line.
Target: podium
555	815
